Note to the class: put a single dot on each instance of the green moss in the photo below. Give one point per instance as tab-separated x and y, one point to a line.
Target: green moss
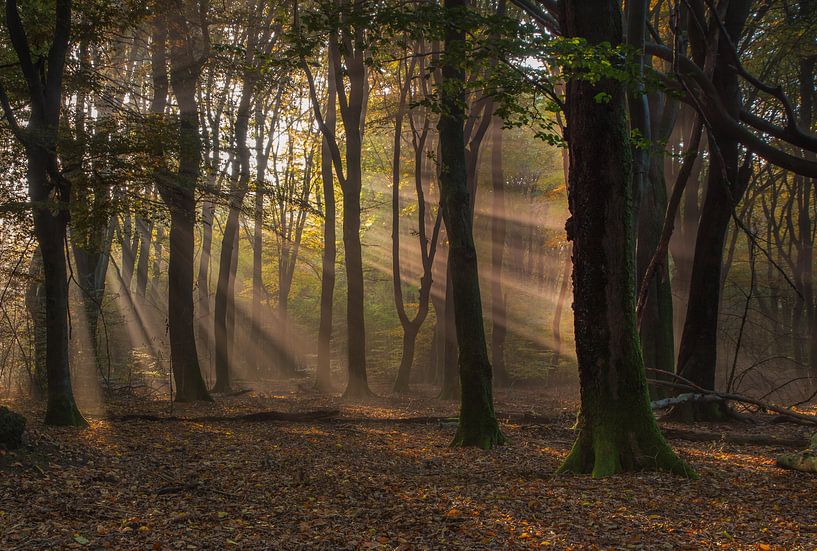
609	449
64	413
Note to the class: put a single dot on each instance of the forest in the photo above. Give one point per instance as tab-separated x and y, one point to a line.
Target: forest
408	274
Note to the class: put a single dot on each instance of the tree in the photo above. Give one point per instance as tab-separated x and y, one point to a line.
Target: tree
726	183
499	328
260	39
49	191
478	425
188	50
352	87
617	430
428	247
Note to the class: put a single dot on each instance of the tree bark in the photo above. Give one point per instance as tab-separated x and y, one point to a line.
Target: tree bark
499	328
177	193
617	430
697	356
323	374
50	194
477	425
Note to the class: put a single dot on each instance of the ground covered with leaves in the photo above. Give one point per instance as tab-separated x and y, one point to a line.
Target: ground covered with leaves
361	480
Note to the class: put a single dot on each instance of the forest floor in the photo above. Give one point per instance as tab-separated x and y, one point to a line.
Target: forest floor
363	481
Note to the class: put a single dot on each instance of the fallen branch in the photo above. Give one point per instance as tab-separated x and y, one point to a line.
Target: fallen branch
686	384
682	399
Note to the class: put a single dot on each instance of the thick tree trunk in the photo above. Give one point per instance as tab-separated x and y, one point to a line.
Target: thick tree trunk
478	425
353	120
617	430
50	229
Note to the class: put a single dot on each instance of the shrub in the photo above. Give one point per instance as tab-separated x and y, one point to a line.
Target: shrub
12	426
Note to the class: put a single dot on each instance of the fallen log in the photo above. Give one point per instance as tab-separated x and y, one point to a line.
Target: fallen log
317	415
804	461
736	438
328	416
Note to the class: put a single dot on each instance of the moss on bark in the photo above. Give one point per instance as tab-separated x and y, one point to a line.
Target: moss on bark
617	429
64	413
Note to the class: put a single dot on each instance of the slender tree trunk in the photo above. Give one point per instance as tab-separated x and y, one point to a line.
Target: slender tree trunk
208	214
50	230
357	385
146	236
450	387
617	430
499	328
179	197
35	304
261	156
477	422
556	325
224	298
323	375
130	247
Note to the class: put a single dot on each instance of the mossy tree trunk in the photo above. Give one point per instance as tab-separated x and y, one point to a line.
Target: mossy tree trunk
477	422
617	430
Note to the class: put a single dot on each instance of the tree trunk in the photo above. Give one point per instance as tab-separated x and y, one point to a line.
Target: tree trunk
130	247
49	192
50	230
617	430
35	304
177	192
499	328
401	384
323	374
556	325
357	385
450	387
697	356
477	421
145	228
